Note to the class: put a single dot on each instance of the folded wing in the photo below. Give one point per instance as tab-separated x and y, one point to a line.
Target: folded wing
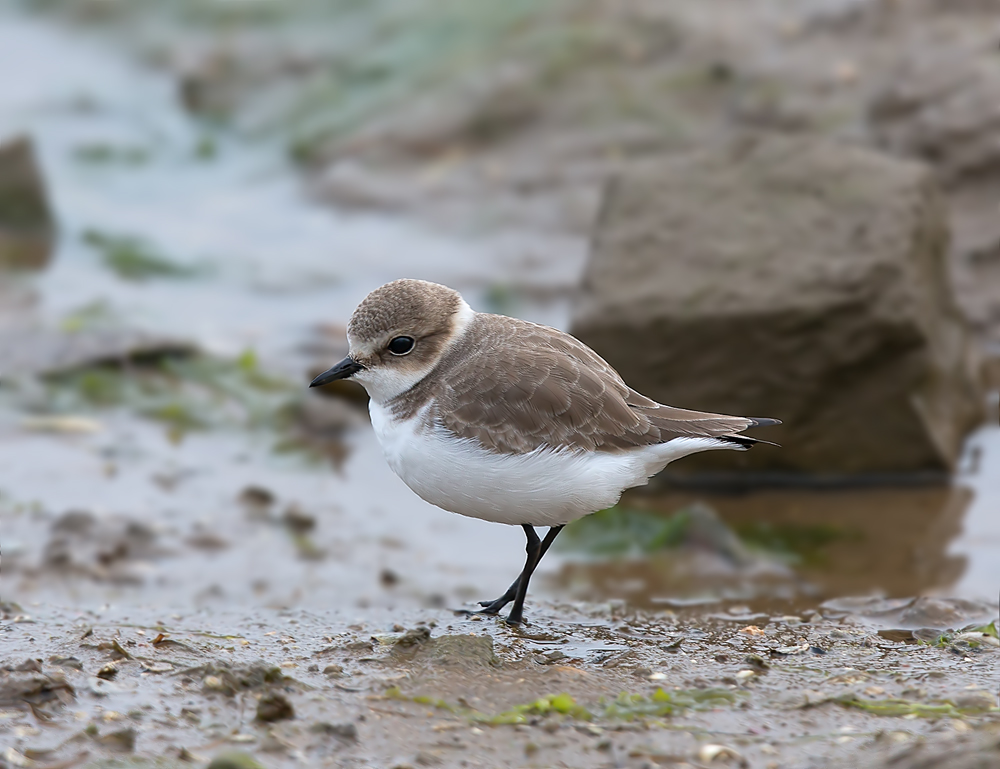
528	386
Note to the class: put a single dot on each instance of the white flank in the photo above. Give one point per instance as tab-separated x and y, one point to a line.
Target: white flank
543	488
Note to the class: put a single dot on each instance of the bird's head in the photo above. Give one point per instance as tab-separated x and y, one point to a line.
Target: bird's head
397	335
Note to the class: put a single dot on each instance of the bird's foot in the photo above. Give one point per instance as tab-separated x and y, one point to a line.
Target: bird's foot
490	608
515	620
493	607
490	611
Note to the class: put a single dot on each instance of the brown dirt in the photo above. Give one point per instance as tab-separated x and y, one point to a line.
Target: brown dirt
326	689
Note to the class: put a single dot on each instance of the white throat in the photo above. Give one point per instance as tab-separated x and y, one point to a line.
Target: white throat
384	384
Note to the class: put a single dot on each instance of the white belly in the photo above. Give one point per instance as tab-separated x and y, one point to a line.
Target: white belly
543	488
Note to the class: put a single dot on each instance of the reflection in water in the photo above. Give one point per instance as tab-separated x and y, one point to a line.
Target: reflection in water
979	541
806	546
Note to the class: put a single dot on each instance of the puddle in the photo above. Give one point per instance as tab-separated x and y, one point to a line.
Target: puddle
811	546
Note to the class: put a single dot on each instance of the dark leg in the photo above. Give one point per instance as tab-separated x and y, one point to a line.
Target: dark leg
517	610
531	550
494	607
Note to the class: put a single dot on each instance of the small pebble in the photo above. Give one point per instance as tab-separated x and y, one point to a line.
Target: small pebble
274	707
235	761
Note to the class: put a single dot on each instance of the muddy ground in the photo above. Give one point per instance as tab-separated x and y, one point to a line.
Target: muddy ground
582	685
202	558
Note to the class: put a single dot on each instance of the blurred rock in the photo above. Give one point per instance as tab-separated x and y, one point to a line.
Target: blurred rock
103	549
789	278
944	612
991	371
27	228
256	496
912	613
482	108
235	761
388	578
26	690
343	731
704	530
230	679
977	750
203	538
943	107
274	707
120	740
44	352
207	84
467	651
218	78
297	520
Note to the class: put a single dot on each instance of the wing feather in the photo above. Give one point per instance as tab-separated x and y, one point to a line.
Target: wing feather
514	387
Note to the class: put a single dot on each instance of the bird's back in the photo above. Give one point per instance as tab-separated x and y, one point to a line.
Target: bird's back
514	387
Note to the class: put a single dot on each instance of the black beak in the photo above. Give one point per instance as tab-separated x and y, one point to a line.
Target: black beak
346	368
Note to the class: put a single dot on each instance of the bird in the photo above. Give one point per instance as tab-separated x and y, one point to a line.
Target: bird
509	421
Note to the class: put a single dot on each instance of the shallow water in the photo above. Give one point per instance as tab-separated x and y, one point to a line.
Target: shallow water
276	265
893	542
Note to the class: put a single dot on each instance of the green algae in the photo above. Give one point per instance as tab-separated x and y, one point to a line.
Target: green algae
134	260
899	707
625	707
621	530
186	393
629	707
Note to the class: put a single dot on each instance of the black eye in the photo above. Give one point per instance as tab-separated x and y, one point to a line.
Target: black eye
401	345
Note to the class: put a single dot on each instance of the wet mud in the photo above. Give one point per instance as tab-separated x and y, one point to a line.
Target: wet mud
581	685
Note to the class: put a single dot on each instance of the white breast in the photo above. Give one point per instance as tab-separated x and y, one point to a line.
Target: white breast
543	488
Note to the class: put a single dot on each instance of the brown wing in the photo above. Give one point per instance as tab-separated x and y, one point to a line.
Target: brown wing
514	386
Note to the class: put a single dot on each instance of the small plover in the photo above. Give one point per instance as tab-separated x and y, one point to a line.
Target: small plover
509	421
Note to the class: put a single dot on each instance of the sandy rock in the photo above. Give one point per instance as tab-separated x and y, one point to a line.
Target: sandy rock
27	229
119	740
927	611
924	613
274	707
943	108
235	760
23	689
963	751
991	371
788	278
480	109
343	731
231	679
448	650
461	650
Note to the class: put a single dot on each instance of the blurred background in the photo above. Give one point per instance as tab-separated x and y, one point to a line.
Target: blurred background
775	208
